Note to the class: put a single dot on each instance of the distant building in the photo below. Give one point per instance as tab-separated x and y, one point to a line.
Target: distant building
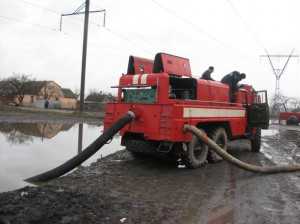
69	99
36	93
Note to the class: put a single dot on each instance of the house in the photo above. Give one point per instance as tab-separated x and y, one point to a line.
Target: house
69	99
35	94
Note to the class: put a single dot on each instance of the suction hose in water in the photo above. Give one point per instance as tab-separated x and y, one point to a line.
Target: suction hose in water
229	158
85	154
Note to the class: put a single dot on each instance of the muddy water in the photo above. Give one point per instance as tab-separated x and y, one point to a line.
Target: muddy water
27	149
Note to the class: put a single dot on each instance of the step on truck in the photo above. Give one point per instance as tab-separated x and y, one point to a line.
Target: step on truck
165	96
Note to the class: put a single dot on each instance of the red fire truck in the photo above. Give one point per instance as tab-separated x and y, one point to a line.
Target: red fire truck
164	96
289	118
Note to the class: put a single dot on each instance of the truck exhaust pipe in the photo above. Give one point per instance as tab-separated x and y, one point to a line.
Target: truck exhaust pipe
85	154
240	164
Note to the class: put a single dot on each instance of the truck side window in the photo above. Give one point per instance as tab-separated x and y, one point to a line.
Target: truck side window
182	88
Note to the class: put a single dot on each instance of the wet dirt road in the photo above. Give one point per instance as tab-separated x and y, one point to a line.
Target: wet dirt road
120	189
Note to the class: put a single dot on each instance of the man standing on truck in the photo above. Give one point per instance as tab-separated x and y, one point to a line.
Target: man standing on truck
207	74
232	80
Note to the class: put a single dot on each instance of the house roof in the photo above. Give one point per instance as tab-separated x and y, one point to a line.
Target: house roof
68	93
34	87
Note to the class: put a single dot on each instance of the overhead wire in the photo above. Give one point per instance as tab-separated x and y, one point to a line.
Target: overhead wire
39	6
54	30
246	25
112	32
197	28
28	23
68	34
122	37
79	8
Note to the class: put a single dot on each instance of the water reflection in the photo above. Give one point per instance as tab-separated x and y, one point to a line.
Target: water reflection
80	133
27	149
22	133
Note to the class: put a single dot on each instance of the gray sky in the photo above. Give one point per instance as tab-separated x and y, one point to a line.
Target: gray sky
230	35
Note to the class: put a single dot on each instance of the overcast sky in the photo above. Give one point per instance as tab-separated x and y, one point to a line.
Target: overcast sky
230	35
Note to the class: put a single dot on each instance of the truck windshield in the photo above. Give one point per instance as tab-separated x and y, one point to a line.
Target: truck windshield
140	95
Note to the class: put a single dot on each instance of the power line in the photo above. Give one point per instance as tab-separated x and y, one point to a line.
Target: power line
39	6
77	12
28	23
196	27
246	25
278	72
52	10
133	43
122	37
43	27
79	8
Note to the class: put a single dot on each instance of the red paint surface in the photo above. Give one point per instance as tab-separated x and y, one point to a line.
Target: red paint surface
285	115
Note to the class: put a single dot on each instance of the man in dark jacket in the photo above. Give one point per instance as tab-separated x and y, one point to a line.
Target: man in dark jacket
232	80
207	74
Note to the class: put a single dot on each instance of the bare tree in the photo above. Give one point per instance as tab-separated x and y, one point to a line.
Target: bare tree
284	103
15	86
76	92
295	105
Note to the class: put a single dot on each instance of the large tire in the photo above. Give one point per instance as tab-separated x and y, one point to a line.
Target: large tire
292	120
256	141
196	154
219	136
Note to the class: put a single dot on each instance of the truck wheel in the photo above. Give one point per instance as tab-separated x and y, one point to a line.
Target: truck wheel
292	120
196	154
219	136
256	141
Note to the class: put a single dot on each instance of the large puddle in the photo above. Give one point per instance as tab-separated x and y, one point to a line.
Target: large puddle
27	149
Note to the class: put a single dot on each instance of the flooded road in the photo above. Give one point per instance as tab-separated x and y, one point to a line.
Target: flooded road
27	149
120	187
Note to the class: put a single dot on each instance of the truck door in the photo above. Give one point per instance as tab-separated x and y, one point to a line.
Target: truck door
258	111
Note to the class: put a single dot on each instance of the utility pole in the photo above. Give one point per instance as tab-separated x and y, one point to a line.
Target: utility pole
84	45
84	50
278	72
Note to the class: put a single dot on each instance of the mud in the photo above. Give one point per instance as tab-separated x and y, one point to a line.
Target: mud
120	189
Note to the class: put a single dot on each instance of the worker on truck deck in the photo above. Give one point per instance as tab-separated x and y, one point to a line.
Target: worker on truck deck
232	80
207	74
